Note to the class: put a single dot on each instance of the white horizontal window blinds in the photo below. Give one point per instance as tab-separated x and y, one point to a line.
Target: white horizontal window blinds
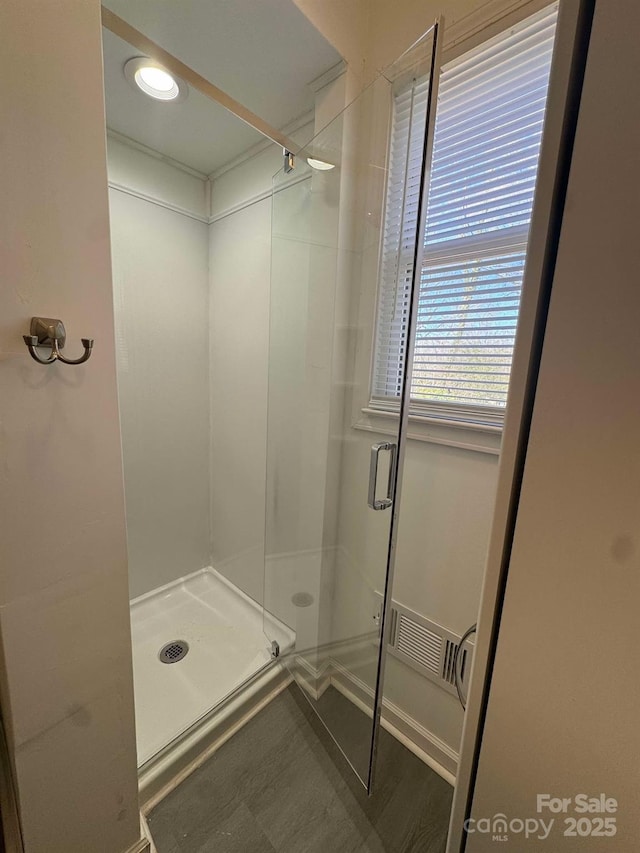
486	147
401	213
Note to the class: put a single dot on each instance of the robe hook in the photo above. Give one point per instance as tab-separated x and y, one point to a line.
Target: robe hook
46	332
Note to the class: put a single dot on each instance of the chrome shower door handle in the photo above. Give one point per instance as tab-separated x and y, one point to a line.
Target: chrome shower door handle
386	502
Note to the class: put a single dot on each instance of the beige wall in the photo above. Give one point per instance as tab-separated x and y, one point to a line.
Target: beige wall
563	708
371	35
345	24
395	26
67	693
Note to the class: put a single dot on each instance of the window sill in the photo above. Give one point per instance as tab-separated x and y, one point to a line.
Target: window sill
475	437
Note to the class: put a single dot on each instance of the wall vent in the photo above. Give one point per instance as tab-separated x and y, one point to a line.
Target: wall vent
428	647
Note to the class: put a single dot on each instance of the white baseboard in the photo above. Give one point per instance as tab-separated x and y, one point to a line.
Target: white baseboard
416	738
313	681
429	748
142	845
146	831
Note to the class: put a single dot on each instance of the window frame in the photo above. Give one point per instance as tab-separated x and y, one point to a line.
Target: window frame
425	415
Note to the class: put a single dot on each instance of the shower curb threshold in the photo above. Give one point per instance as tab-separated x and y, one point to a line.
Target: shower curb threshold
160	776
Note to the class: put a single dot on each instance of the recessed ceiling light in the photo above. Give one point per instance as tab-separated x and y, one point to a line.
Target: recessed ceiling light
151	78
321	165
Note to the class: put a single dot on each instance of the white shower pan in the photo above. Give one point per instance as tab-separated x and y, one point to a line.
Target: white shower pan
223	628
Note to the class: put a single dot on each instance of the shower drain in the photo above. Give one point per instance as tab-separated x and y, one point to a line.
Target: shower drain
173	651
302	599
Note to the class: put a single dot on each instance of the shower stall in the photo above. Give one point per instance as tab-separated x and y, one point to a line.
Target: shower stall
313	606
287	520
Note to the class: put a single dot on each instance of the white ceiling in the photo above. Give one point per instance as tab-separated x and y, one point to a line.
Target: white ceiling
261	52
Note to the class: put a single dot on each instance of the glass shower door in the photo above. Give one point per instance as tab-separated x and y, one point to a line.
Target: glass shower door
326	476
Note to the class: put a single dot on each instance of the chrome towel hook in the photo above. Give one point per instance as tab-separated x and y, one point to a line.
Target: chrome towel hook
46	332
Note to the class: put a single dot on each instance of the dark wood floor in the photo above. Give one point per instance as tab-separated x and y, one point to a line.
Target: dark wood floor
280	785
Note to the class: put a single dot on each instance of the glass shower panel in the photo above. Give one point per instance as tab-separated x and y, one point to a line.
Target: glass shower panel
324	472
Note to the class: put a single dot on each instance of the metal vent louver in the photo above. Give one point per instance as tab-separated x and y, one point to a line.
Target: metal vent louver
416	641
427	647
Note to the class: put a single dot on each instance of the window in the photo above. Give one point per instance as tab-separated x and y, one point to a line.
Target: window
486	146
